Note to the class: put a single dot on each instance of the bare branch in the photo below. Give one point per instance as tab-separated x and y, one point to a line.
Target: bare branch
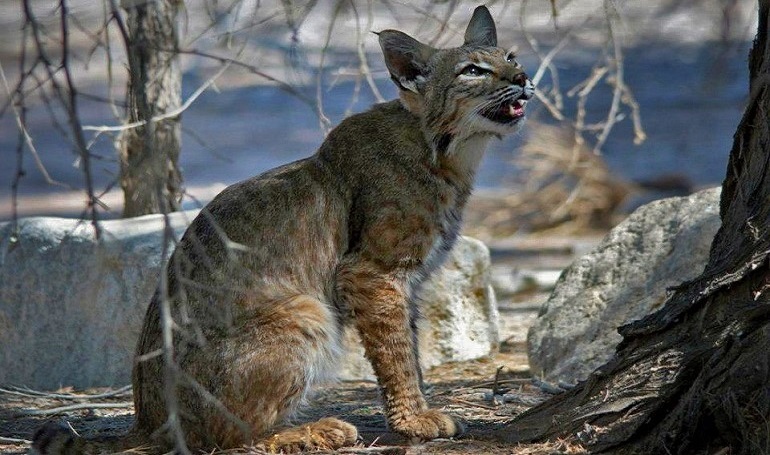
75	407
324	121
170	114
255	70
612	115
6	440
74	119
23	391
170	375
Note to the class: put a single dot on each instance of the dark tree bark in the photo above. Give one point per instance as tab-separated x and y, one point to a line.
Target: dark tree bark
693	377
149	168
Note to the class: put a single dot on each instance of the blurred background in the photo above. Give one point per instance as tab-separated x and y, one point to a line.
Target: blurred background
636	100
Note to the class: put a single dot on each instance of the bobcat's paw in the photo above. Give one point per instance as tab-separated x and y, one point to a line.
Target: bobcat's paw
428	425
326	434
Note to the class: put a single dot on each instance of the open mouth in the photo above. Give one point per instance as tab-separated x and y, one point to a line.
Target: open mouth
507	112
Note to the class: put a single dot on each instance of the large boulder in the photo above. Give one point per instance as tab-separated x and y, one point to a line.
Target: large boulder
71	308
624	279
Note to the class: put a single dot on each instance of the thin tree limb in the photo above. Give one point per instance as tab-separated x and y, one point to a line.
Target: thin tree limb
75	407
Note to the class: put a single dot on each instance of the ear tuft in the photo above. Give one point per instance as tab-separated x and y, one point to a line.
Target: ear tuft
481	29
405	57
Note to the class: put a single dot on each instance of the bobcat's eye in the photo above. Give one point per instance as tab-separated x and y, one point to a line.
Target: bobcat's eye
475	71
511	58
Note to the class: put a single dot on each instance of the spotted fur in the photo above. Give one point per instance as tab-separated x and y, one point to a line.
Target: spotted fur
269	273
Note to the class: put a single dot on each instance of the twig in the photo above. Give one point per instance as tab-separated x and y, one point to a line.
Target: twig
170	114
547	387
253	69
20	143
483	385
636	118
7	440
21	124
495	383
552	108
75	407
471	403
107	48
364	67
486	385
429	15
324	121
21	391
74	120
583	90
545	61
618	79
444	22
384	450
170	377
518	398
66	96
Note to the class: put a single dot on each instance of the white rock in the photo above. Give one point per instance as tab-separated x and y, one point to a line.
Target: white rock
625	278
71	308
460	308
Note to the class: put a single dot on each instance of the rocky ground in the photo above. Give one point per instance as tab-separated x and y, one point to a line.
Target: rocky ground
486	393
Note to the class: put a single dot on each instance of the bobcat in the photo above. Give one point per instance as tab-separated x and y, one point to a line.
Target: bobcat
267	275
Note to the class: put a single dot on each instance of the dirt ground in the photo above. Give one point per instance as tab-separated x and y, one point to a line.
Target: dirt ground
463	389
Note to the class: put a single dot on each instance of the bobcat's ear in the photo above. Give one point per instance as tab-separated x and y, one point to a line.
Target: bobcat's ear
481	29
405	57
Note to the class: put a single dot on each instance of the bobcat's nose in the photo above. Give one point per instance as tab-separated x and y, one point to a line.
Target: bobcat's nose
529	89
519	79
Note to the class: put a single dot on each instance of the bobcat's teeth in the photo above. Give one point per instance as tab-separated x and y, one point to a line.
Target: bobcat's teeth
516	109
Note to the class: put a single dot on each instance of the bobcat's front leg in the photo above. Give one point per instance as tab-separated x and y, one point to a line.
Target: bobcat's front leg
380	307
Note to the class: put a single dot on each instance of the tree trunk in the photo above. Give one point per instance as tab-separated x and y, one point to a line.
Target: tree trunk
693	377
149	153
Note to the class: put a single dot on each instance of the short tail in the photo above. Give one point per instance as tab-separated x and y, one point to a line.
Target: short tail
56	438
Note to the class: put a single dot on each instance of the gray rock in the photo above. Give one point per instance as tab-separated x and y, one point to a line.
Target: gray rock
71	308
625	278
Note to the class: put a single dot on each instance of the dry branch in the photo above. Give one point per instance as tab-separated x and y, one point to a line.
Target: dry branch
6	440
23	391
75	407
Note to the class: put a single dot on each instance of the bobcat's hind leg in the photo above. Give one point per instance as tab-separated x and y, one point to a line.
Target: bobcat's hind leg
265	371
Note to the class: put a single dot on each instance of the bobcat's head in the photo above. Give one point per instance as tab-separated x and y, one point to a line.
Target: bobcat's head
477	88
